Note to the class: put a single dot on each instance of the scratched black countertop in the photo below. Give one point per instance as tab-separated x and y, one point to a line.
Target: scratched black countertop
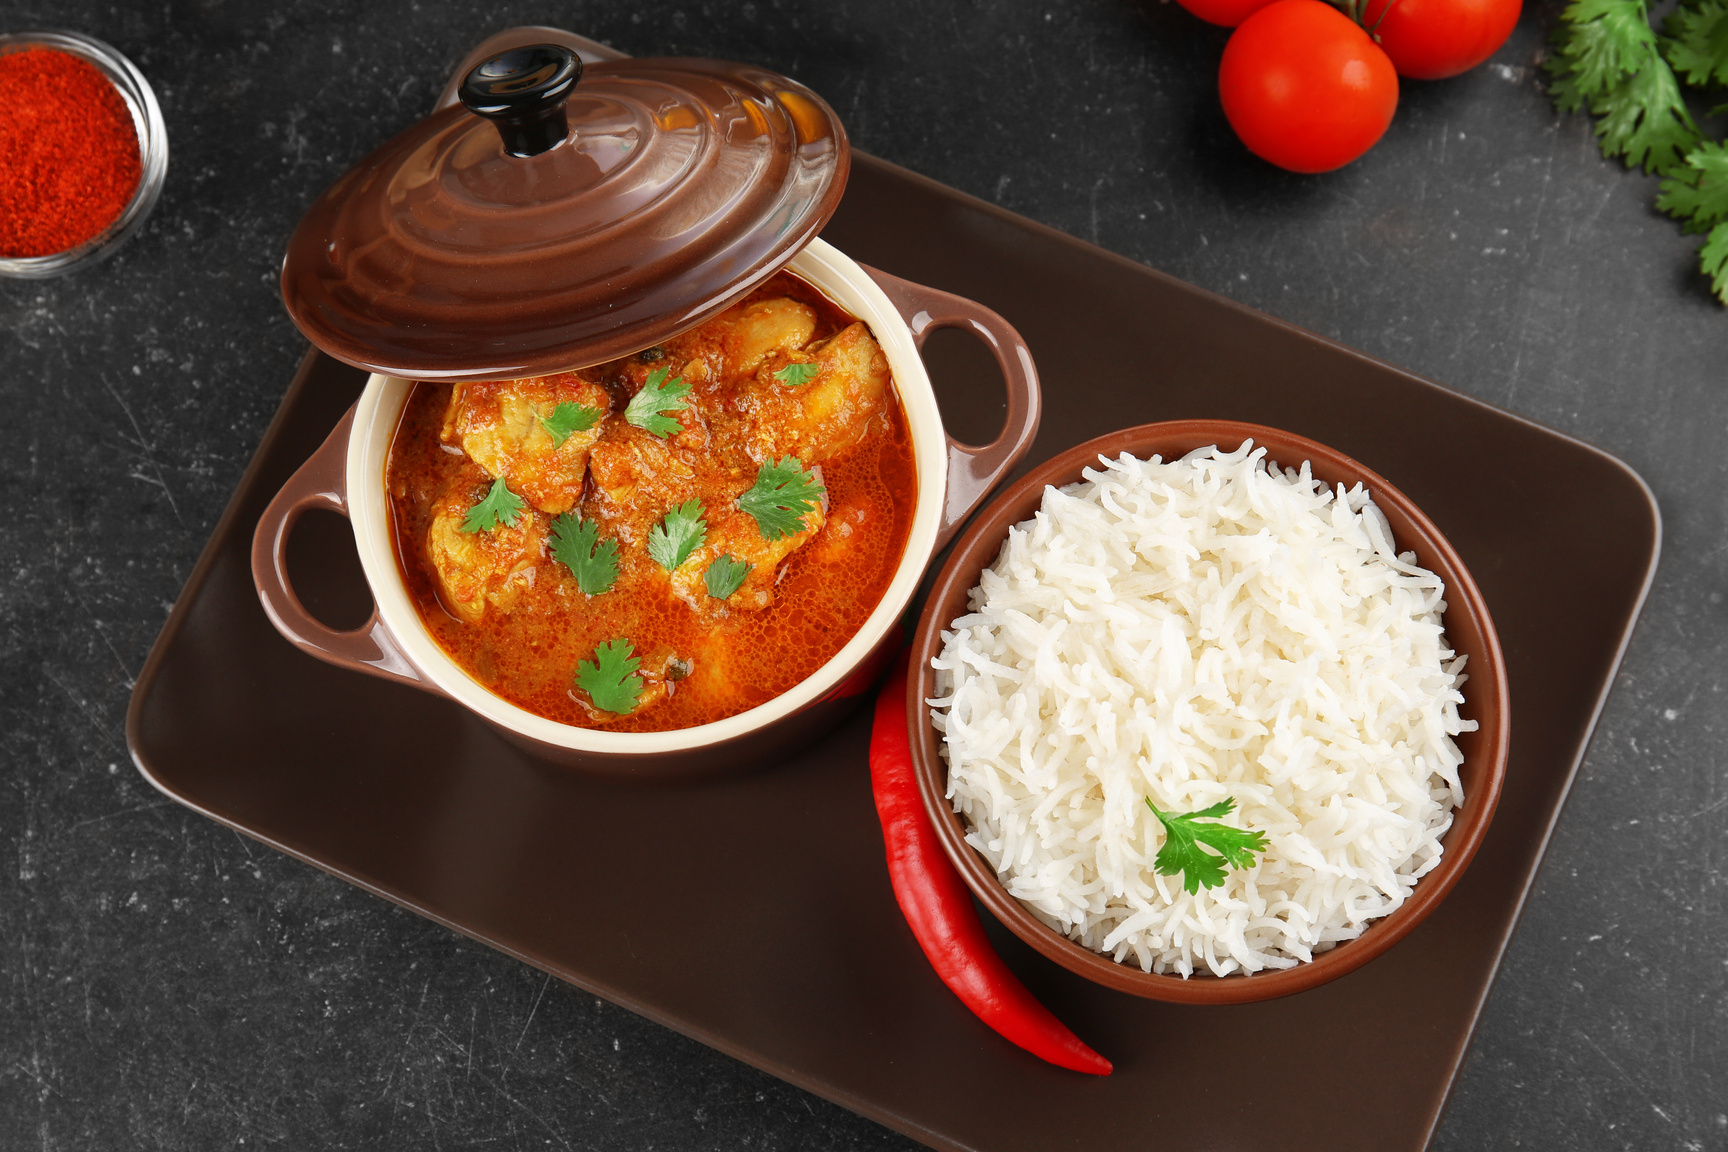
165	983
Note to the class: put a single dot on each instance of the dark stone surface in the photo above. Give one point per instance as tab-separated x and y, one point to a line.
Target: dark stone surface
168	984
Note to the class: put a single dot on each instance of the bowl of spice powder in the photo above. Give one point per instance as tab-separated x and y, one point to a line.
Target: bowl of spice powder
83	151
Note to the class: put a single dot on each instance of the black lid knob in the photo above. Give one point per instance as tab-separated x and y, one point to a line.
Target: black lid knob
522	92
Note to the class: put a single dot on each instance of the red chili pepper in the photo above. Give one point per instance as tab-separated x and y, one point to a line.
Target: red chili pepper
938	905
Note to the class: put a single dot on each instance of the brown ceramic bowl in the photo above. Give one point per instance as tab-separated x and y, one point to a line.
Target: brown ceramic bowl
1468	627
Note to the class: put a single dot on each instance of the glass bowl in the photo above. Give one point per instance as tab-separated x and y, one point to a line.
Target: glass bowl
152	153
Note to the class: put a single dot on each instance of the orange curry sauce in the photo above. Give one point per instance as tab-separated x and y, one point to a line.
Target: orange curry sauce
722	659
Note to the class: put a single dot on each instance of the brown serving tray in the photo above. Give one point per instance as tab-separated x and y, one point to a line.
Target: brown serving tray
804	967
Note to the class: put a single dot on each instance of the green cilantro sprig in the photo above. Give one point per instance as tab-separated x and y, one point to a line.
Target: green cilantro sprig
1183	835
1698	50
568	419
680	533
610	678
499	506
1609	61
1697	195
784	491
577	545
725	575
1713	260
795	375
658	395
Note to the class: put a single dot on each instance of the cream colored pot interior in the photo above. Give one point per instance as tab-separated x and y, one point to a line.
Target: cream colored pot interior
844	282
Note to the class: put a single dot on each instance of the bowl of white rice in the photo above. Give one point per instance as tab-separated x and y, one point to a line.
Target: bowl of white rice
1204	618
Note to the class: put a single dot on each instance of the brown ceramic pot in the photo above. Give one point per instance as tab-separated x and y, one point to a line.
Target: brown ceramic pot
673	187
346	475
1468	627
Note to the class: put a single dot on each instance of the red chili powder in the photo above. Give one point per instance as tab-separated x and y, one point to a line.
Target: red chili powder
68	152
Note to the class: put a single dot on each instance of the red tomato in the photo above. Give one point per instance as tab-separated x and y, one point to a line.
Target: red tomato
1227	13
1434	39
1305	87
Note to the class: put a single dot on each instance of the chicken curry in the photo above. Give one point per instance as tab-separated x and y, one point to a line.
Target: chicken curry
668	539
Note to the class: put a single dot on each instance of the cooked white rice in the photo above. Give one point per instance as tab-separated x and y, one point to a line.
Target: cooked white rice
1190	632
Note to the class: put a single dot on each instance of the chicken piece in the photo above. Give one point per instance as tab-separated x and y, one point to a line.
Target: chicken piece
767	326
707	358
737	534
638	476
820	418
478	571
732	344
502	426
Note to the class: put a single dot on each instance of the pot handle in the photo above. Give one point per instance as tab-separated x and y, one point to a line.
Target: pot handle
973	469
321	482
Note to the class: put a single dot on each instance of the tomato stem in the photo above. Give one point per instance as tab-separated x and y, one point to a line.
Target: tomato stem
1381	19
1357	10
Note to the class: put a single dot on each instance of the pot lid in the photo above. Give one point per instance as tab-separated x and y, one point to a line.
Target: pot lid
562	216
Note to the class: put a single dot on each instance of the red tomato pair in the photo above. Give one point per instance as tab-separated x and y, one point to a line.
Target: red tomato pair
1309	89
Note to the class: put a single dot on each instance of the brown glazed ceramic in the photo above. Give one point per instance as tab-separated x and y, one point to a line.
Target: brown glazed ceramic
681	186
439	253
1468	627
803	965
346	476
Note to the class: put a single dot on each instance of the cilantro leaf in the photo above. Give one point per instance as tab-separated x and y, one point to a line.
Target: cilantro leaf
658	395
1698	49
1181	853
1713	260
1646	120
1607	59
567	419
1697	195
671	541
725	575
1598	44
577	545
500	506
611	680
783	492
794	375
